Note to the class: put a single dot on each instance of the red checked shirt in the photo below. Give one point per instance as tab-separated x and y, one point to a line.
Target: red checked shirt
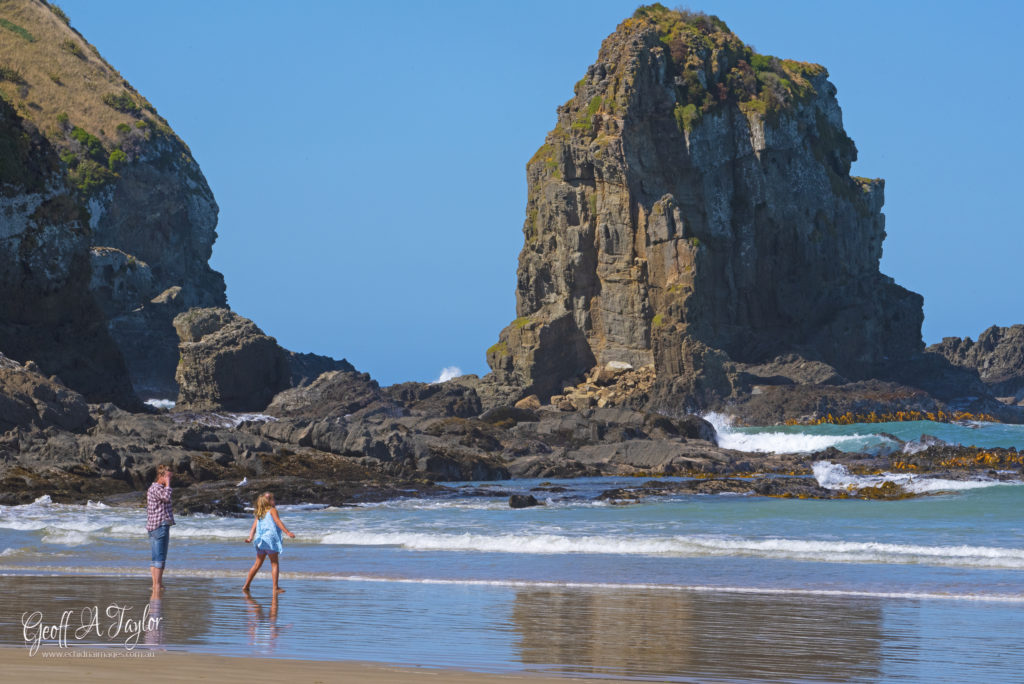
158	507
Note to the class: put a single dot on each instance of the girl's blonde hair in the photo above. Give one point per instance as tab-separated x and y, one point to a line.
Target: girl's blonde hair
263	505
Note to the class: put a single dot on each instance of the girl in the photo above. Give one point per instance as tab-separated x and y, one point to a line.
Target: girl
267	531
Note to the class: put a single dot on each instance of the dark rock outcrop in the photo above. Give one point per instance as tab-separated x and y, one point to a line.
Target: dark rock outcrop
30	400
522	501
227	362
997	356
133	191
305	368
693	208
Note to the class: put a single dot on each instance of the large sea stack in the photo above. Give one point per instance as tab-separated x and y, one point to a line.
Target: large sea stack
138	198
693	209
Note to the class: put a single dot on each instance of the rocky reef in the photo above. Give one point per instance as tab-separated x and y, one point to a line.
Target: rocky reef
693	210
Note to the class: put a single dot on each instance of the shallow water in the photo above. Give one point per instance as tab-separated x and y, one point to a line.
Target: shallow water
688	587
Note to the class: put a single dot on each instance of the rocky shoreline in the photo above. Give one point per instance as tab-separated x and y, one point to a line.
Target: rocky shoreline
668	268
343	440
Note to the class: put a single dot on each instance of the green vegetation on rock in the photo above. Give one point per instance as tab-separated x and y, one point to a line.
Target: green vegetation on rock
60	13
122	102
117	159
11	74
711	66
71	47
17	30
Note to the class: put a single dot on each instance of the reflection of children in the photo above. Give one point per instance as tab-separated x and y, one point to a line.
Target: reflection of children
265	534
262	628
155	636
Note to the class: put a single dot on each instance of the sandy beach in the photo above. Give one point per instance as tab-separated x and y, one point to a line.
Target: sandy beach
115	666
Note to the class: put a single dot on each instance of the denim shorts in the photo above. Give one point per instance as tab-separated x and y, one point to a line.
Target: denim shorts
158	539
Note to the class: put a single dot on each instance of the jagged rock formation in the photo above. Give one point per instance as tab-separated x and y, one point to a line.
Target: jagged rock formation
47	314
149	212
997	356
692	208
227	362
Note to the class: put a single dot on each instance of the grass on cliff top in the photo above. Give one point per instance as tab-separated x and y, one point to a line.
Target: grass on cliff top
66	85
699	43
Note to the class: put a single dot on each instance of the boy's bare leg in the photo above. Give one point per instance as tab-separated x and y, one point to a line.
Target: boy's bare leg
158	578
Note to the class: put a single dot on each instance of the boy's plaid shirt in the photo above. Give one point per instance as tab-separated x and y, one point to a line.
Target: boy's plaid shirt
158	506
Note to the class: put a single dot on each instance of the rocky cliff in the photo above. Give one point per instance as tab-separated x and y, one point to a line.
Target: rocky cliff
997	356
47	314
693	208
148	214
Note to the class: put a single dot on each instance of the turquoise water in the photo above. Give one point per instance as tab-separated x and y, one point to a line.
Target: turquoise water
926	589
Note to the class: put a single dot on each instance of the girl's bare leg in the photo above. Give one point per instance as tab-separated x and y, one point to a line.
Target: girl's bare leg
275	571
252	572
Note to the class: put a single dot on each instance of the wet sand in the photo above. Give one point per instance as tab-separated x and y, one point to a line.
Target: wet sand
205	629
111	665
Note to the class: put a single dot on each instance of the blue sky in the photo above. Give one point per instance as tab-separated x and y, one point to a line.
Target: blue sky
369	158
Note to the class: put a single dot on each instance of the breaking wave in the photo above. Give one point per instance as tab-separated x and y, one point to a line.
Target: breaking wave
730	437
694	546
838	477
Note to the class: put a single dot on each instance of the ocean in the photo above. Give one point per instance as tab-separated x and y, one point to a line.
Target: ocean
677	588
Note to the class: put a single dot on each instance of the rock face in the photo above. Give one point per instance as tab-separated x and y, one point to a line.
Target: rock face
147	210
47	314
694	207
30	400
227	362
998	356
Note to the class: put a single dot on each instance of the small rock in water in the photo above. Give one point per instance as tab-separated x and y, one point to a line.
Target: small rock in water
522	501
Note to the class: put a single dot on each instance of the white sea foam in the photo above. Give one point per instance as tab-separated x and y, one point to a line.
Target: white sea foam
65	538
778	442
222	420
692	546
448	373
96	504
166	404
834	476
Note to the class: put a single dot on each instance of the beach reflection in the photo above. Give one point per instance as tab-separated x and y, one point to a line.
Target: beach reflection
154	635
123	607
736	636
262	628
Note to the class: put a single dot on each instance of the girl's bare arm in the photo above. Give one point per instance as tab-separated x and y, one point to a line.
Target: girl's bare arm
252	531
277	519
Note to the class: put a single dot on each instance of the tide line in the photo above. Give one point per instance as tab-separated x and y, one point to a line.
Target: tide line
59	571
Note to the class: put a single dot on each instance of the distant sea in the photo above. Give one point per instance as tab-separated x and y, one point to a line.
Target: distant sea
682	588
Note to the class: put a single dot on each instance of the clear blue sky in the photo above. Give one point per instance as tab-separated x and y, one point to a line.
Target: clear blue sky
368	158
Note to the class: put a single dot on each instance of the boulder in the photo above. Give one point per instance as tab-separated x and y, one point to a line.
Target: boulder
522	501
227	363
30	400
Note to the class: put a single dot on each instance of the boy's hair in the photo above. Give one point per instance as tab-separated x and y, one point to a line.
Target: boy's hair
161	469
262	505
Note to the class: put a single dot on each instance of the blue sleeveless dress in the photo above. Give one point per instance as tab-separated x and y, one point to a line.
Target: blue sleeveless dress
268	535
